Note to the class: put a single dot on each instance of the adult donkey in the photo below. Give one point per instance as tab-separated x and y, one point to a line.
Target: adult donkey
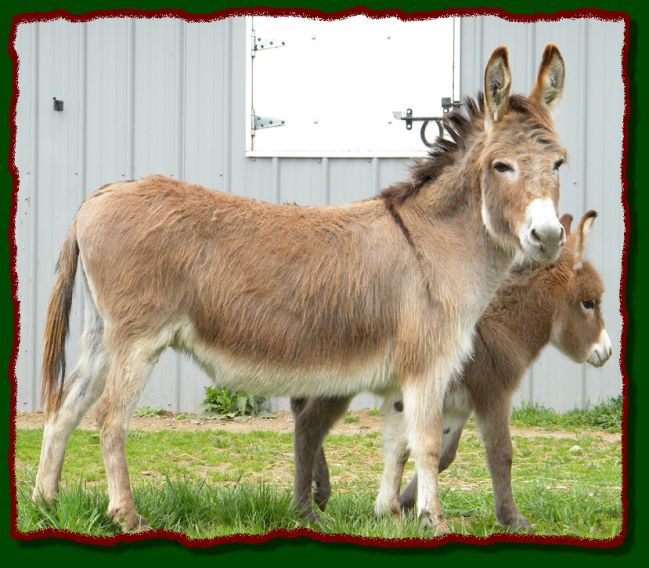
535	306
380	295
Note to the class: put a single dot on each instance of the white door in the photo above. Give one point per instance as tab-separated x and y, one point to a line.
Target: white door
334	86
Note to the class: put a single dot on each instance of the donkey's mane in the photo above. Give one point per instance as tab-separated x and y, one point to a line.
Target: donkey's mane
462	127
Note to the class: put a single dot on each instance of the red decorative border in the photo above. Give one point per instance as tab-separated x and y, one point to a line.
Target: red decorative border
301	532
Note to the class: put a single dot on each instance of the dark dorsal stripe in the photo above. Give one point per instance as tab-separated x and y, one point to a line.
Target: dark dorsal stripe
390	206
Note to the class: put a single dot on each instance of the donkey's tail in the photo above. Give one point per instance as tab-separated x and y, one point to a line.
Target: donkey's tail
57	324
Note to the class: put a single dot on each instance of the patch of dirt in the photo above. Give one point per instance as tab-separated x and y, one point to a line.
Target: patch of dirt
361	422
280	422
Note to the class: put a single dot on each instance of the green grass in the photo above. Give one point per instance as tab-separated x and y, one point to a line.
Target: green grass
148	411
605	416
207	484
351	419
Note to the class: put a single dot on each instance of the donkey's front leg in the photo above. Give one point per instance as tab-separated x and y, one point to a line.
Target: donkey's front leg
453	423
395	456
423	397
494	426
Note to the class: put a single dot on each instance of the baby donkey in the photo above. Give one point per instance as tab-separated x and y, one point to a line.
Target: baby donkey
537	305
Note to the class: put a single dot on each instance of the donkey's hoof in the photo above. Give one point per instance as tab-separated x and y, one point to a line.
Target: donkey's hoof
39	497
129	521
438	526
518	523
135	525
387	508
321	498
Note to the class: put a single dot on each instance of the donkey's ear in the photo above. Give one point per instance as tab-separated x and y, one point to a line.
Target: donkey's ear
566	221
497	86
583	231
552	76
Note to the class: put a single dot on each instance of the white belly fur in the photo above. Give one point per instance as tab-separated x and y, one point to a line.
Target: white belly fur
373	374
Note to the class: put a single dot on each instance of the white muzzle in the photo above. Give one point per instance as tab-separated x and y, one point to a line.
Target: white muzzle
542	235
601	351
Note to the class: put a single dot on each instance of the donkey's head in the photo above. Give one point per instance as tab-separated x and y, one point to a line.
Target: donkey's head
578	328
521	159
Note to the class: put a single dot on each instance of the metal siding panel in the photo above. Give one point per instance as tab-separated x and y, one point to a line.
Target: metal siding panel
157	72
108	102
471	56
235	111
392	171
204	99
350	179
259	182
604	184
60	159
26	155
300	181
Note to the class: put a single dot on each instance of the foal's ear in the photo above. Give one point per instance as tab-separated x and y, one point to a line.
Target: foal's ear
583	231
566	221
552	76
497	86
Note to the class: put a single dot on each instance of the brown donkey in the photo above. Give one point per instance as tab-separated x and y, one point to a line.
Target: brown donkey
535	306
379	295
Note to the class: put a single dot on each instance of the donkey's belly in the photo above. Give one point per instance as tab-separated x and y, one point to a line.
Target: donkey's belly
373	373
457	408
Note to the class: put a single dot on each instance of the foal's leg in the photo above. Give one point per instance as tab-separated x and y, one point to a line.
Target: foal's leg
129	369
313	419
395	456
321	483
81	389
493	422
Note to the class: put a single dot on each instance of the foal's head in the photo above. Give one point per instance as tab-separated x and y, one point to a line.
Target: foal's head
578	329
521	159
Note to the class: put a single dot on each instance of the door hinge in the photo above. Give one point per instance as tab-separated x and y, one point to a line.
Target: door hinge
260	44
259	122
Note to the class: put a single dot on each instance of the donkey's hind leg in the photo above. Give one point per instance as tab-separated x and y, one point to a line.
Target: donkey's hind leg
313	419
81	390
129	370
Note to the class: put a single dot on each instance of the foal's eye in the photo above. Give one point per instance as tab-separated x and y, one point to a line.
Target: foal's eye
588	304
502	167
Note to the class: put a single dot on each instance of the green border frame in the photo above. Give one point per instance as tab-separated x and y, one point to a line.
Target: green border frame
302	549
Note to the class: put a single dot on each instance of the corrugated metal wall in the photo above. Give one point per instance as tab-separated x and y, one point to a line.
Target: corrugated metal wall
165	96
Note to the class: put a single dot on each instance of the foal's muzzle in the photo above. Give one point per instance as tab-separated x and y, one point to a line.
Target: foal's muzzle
601	351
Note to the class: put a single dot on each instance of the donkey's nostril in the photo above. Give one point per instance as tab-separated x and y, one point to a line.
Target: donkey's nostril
534	236
547	236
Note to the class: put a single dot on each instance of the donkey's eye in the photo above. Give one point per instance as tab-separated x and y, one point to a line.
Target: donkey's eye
502	167
558	164
588	304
